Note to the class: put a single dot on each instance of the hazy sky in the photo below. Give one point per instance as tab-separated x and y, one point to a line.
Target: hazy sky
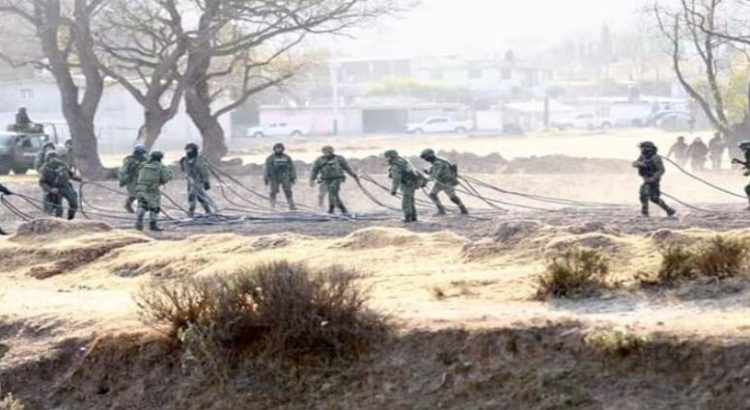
437	26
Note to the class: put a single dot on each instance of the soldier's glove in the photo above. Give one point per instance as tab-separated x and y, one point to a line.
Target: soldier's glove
394	193
207	186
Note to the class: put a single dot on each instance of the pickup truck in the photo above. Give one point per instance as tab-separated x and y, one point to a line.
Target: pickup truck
586	120
277	129
438	124
18	151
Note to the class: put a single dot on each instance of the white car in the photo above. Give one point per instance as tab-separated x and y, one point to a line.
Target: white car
276	129
586	120
438	124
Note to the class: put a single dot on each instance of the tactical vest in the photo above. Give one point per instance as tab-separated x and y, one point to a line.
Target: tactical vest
150	174
57	175
453	167
331	168
647	169
281	164
129	172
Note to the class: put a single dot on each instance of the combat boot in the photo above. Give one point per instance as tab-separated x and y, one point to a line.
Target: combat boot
440	211
292	206
644	211
463	209
343	209
139	224
331	209
154	227
191	211
71	214
207	209
670	212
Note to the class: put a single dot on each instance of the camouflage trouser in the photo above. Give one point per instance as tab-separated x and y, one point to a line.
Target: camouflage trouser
408	205
449	190
698	163
54	202
132	195
322	193
149	200
333	188
196	193
747	191
283	183
651	191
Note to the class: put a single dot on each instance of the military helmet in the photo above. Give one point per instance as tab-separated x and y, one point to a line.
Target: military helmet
647	145
191	146
279	145
391	153
744	145
428	153
326	149
51	154
157	156
49	145
140	149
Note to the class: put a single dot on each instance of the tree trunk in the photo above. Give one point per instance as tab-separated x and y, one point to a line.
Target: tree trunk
154	121
199	109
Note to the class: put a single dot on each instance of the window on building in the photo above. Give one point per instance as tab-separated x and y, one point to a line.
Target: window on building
27	94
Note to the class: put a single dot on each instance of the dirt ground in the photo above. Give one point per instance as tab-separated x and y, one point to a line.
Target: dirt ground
460	289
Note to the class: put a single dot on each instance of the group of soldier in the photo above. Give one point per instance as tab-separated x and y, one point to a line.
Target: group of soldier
698	153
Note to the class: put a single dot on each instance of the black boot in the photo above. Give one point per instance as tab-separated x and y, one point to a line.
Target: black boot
129	206
440	211
154	227
670	212
343	209
292	206
331	209
461	206
71	214
191	211
139	224
644	211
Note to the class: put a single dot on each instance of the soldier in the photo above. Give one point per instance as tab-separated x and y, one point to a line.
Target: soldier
405	178
745	147
196	168
445	175
651	169
280	173
54	178
332	169
152	175
42	155
716	147
698	153
4	191
23	122
128	174
67	156
679	150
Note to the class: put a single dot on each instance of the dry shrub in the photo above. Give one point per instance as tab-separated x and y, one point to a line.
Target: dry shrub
280	309
722	257
577	272
717	258
677	264
11	403
616	343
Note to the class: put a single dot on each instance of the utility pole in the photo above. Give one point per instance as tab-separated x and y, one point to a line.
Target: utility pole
335	95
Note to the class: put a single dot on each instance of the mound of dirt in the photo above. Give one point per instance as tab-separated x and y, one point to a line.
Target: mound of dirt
373	238
47	226
598	241
563	164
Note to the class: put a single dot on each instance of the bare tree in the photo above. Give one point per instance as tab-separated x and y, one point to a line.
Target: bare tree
143	46
696	34
240	47
63	30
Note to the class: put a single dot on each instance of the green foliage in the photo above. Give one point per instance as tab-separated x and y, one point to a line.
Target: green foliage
677	264
616	343
577	272
410	87
280	309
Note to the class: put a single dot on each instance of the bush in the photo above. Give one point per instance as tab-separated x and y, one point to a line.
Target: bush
616	343
577	272
280	309
677	263
722	258
11	403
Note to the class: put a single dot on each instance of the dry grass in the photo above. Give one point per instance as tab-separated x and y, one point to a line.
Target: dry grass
616	343
578	272
279	309
9	402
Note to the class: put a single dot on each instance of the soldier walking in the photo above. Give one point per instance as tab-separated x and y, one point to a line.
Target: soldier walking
128	174
445	177
280	174
332	170
151	176
196	168
406	179
744	146
698	153
679	151
54	178
716	147
651	169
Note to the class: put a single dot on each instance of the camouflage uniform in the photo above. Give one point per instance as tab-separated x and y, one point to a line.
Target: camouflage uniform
745	147
38	164
4	191
280	174
198	182
680	151
67	156
407	180
698	153
55	179
151	176
651	169
716	147
445	175
128	176
332	169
